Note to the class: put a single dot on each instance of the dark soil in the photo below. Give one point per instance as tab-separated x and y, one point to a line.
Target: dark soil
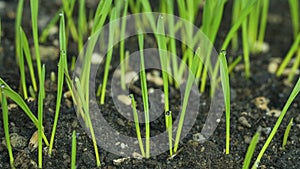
193	154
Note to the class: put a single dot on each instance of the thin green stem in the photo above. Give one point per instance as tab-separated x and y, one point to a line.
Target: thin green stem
5	125
73	159
291	98
144	92
137	125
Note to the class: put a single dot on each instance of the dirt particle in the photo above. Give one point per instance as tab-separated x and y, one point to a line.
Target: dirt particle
124	99
17	141
131	77
274	113
154	78
244	122
262	103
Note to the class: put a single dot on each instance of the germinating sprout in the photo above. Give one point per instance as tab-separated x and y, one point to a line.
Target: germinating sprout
291	98
5	125
251	149
73	158
34	6
40	118
286	133
18	21
144	93
137	125
60	80
26	50
109	53
226	91
21	103
68	6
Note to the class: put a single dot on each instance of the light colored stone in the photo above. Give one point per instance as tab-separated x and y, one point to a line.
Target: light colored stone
274	113
17	141
244	122
262	103
124	99
131	77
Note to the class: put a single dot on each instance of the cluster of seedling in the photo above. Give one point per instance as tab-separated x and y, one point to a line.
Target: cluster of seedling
249	16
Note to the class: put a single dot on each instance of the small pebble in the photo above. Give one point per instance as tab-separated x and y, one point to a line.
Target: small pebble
273	65
157	80
262	103
97	58
131	77
124	99
137	155
198	137
244	122
17	141
12	106
119	161
274	113
247	139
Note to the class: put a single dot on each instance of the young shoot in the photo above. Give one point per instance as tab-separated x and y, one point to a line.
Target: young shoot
34	6
40	118
286	133
5	125
137	125
21	103
73	158
144	92
60	80
291	98
109	54
226	91
251	150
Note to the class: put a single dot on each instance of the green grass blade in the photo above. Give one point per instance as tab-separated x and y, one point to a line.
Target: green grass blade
34	4
288	57
122	46
251	150
18	22
294	9
294	68
20	102
0	29
25	47
82	24
68	6
144	92
104	7
82	101
286	133
40	118
50	25
60	80
246	50
243	14
21	66
263	22
109	53
137	125
162	46
187	91
226	91
73	158
5	126
172	41
292	96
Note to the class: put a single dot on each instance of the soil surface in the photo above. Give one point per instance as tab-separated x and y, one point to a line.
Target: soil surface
246	117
